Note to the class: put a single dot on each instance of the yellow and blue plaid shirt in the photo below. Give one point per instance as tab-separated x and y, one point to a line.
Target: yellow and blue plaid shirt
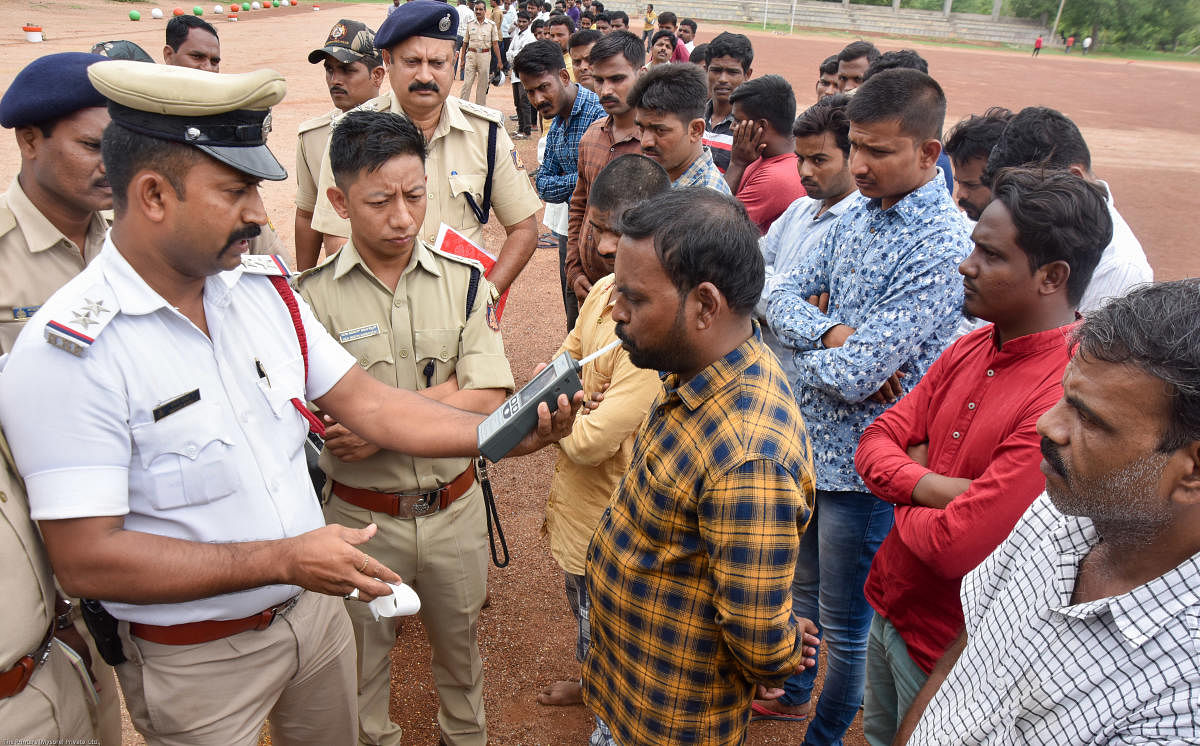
690	570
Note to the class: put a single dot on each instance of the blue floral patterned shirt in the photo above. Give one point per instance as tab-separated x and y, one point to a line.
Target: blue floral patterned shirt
893	276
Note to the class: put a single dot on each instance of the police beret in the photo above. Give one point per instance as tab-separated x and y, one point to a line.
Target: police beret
48	88
225	115
431	18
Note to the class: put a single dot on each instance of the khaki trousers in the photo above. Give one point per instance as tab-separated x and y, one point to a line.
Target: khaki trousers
477	71
444	558
108	713
299	671
54	707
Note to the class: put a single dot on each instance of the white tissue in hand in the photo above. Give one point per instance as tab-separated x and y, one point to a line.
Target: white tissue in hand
402	602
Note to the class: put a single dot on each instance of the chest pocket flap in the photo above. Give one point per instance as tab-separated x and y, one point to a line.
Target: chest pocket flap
186	457
439	348
471	184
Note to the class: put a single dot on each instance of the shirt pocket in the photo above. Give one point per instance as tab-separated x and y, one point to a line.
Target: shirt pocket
437	348
461	185
371	351
187	457
282	383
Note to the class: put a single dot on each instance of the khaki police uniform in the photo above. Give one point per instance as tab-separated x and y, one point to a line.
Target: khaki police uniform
456	165
37	259
478	37
415	338
311	142
57	701
119	406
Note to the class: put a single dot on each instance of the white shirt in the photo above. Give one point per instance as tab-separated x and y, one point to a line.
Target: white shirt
508	22
465	16
1038	669
689	46
520	39
229	467
1122	265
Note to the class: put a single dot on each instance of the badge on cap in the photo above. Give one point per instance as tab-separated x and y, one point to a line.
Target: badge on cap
338	32
444	24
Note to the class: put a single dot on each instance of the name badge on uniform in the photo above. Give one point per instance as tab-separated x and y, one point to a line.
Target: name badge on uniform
24	312
361	332
172	406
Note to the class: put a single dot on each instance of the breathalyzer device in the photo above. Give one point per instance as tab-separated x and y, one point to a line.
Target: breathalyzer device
517	416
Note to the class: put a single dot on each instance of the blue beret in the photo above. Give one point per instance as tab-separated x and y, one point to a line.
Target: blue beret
50	87
430	18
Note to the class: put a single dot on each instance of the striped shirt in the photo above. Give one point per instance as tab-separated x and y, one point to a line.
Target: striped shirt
690	570
1038	669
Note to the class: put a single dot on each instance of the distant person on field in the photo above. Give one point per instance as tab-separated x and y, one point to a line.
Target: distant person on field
595	456
648	21
1037	45
1087	44
1046	138
1070	43
762	172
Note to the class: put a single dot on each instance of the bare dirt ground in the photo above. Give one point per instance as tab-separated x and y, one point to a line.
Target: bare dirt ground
1138	117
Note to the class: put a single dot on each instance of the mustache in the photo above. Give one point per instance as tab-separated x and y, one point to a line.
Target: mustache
250	231
337	89
610	100
622	334
1053	457
417	85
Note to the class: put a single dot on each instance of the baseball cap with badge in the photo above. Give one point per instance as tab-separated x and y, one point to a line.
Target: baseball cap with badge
226	115
348	41
430	18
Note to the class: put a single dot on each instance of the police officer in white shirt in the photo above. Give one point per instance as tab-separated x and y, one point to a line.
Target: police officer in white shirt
155	406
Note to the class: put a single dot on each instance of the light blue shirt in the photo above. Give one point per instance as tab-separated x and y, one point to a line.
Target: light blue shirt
794	234
703	173
893	276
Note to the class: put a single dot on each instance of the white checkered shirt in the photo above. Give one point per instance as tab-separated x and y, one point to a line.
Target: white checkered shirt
1038	670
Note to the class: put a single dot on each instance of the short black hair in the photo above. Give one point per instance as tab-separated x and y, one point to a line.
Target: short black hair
829	65
619	44
561	20
584	15
602	17
126	153
523	14
179	27
668	17
540	57
702	235
857	50
908	95
626	181
769	97
689	23
699	55
664	34
599	7
1059	217
681	90
1153	329
536	24
737	46
614	15
906	59
827	115
1040	135
583	38
975	136
365	140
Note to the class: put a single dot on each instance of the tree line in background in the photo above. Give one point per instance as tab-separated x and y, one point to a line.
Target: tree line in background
1165	25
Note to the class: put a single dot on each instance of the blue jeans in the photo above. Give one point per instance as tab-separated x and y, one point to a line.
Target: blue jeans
835	557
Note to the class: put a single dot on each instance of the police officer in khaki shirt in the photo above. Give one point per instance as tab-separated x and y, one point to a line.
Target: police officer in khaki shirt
481	45
353	74
418	319
50	221
417	43
44	689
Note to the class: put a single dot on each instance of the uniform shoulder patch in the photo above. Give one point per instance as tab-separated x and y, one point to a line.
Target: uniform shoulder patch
483	112
86	316
265	264
308	125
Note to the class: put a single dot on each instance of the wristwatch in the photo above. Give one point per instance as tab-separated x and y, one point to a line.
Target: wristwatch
64	615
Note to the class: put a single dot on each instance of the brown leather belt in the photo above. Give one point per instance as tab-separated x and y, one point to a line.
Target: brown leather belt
194	633
408	505
486	49
14	680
